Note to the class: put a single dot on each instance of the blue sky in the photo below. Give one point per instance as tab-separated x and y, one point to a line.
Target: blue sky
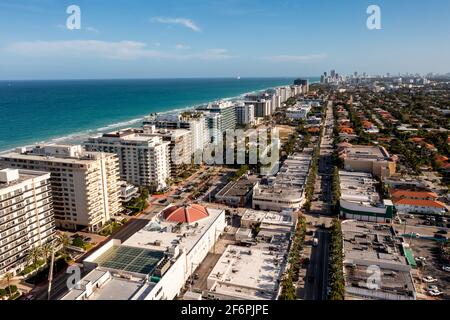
215	38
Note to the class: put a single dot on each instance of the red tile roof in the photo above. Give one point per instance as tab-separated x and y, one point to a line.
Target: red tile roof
413	194
420	203
185	214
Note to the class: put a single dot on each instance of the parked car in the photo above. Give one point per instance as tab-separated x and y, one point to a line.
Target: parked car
442	231
435	293
432	288
429	279
440	236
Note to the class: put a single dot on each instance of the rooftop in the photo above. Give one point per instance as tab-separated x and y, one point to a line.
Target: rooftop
130	259
160	234
238	188
371	245
366	152
248	273
108	286
185	214
56	153
13	177
359	187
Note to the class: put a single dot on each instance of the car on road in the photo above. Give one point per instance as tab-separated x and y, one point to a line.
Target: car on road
315	242
446	268
429	279
440	236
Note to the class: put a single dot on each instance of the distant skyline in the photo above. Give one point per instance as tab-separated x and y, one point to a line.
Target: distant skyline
220	38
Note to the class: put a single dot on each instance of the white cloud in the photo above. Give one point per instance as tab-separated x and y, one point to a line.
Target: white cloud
81	48
92	29
122	50
296	58
181	46
188	23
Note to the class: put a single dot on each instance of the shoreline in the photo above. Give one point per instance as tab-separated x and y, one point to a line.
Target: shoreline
79	137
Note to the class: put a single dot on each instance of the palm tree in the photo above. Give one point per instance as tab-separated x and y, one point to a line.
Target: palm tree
47	251
35	255
8	277
61	239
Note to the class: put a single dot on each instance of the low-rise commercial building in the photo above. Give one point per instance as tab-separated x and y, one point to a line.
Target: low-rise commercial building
360	199
128	192
269	220
26	217
411	201
155	262
377	263
374	160
255	272
85	185
236	193
287	189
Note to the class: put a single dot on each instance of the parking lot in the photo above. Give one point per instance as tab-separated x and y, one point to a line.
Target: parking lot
432	268
422	226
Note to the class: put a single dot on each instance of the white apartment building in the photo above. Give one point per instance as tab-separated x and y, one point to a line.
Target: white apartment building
26	216
263	107
144	159
85	185
180	146
245	114
226	111
298	112
192	121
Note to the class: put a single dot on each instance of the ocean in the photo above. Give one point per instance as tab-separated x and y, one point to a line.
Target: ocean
69	111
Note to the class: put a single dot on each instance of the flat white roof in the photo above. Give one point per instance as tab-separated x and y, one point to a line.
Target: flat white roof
159	234
248	273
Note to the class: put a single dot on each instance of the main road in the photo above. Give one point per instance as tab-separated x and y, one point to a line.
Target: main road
316	283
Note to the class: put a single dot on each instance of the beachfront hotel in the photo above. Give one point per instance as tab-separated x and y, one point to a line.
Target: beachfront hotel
85	185
144	159
26	216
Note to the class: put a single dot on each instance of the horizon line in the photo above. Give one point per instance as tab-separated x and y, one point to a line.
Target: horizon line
159	78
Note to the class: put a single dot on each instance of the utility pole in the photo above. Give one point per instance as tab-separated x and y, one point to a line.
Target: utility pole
50	274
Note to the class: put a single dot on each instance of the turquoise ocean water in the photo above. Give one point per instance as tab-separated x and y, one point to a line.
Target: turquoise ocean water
68	111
